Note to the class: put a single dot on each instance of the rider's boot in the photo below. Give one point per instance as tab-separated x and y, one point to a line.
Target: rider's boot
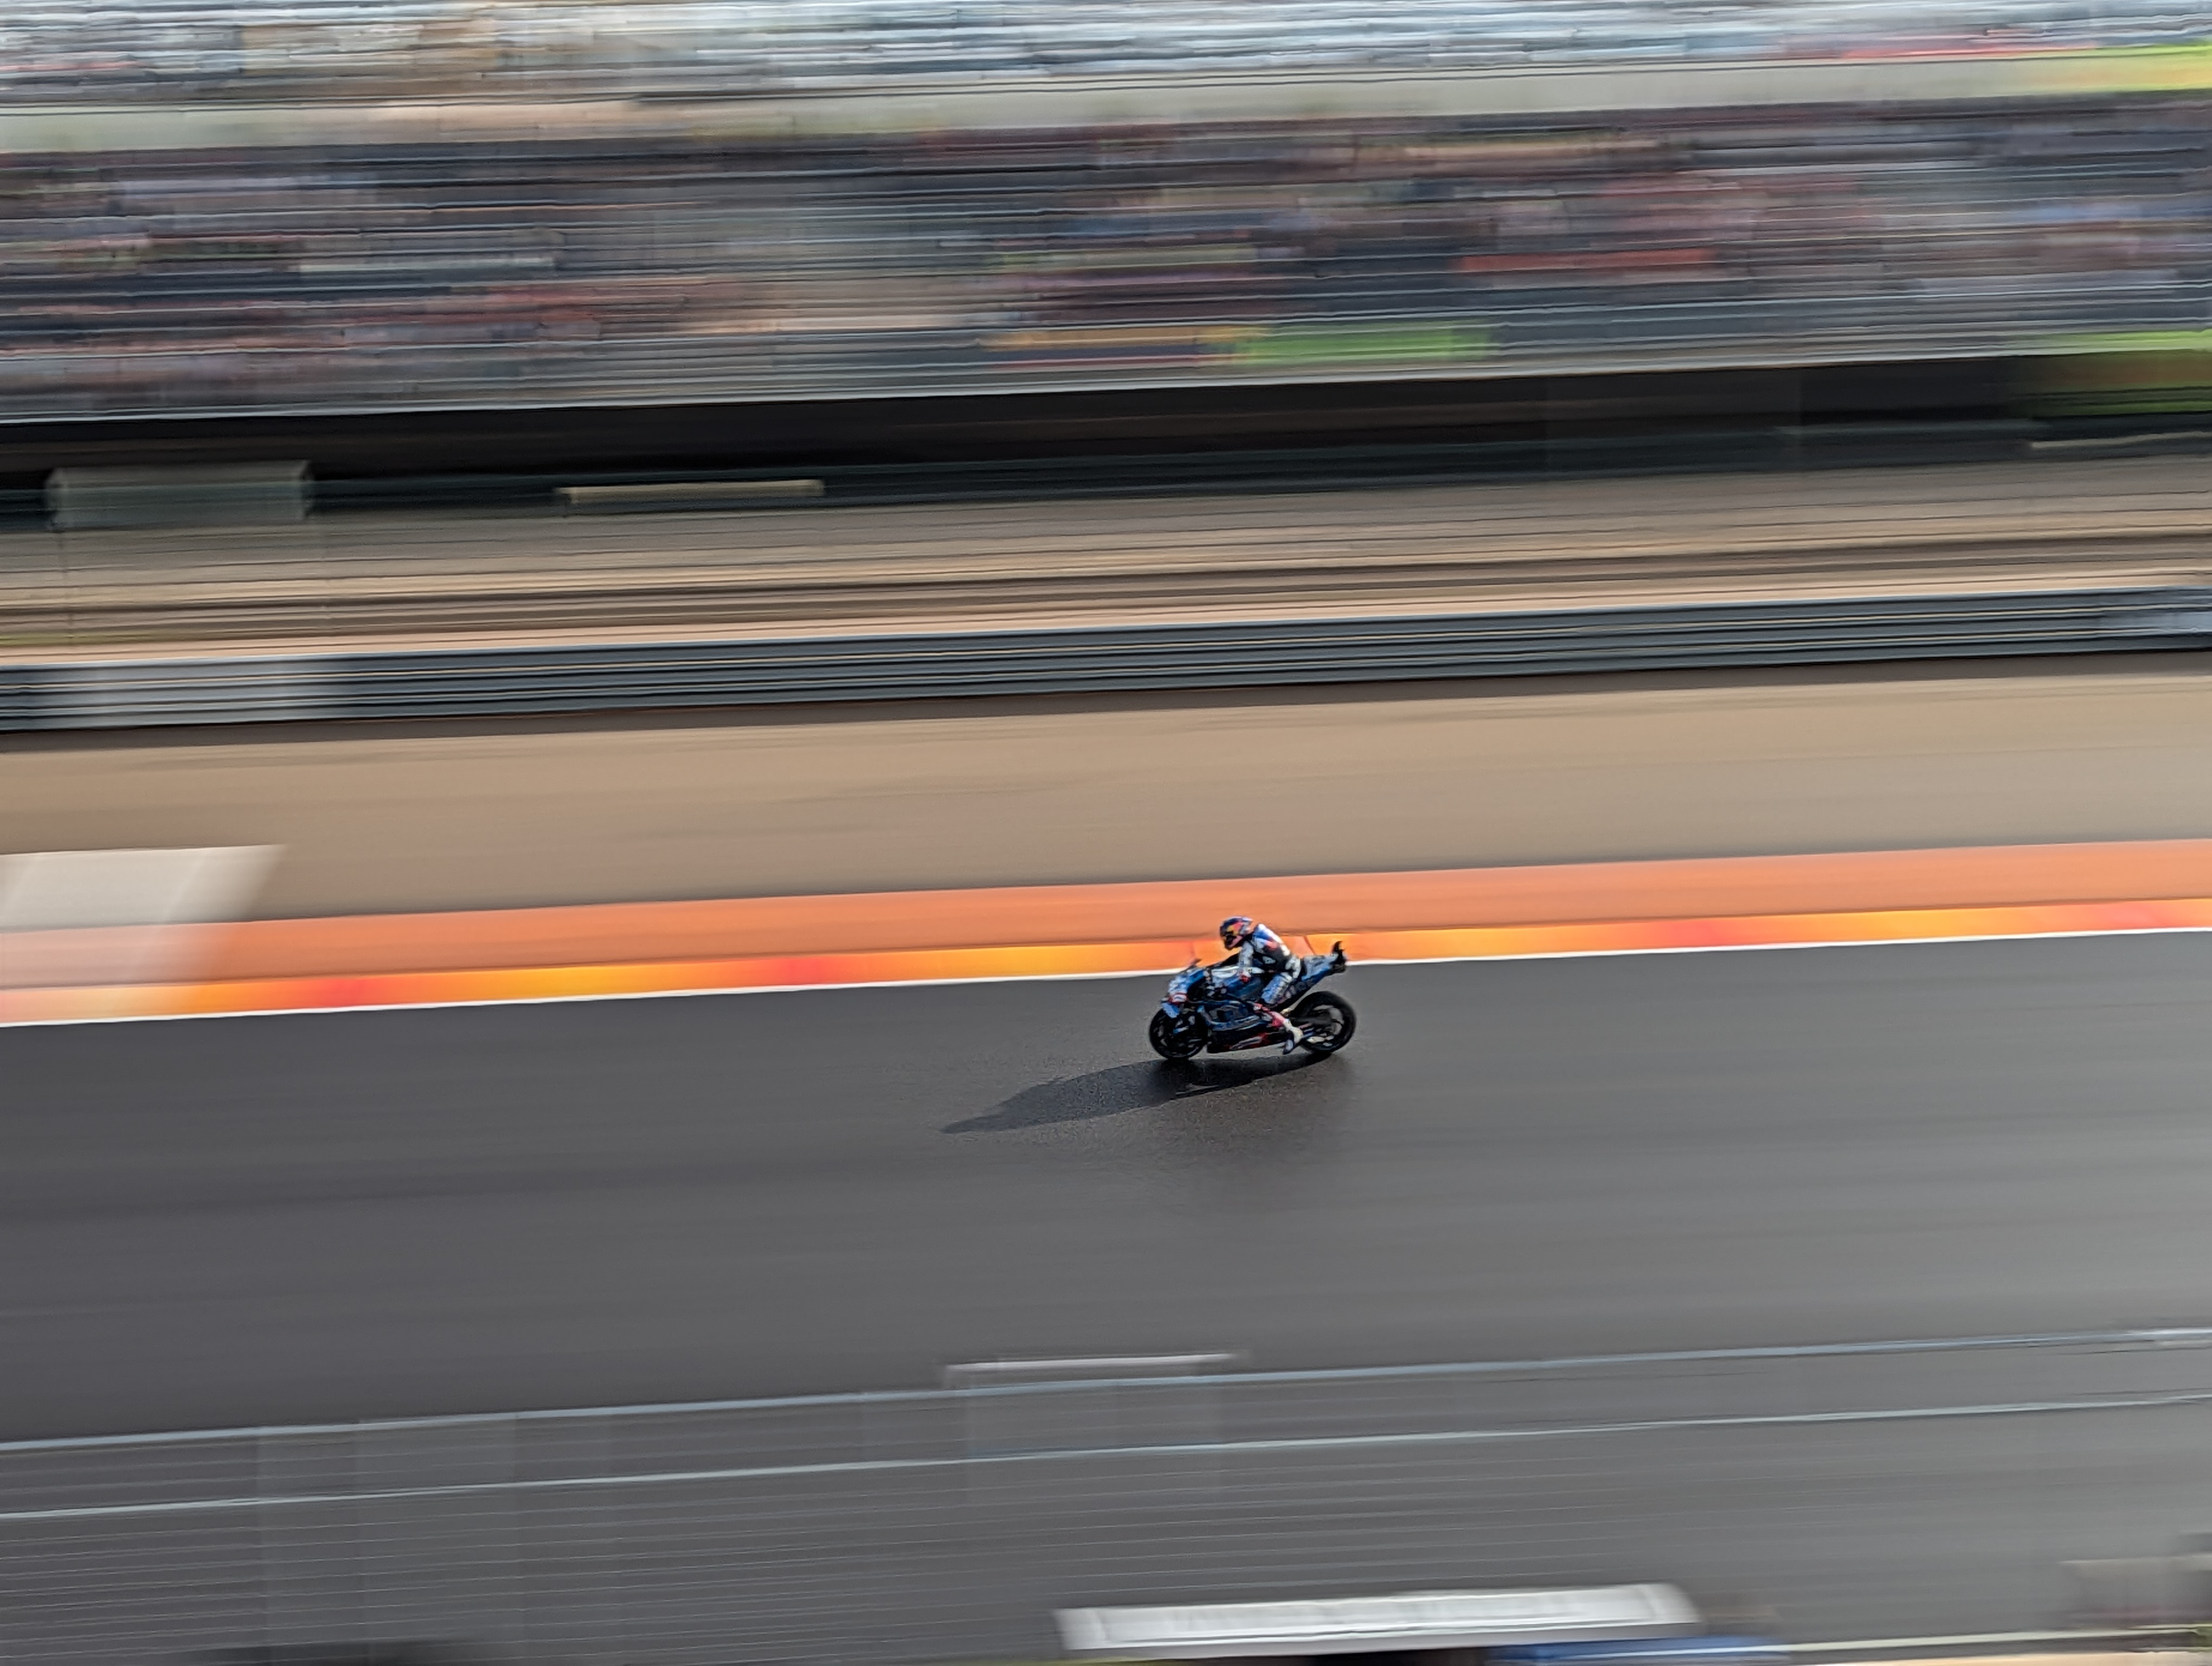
1293	1037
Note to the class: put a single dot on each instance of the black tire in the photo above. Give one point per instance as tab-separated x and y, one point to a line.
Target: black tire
1327	1020
1176	1038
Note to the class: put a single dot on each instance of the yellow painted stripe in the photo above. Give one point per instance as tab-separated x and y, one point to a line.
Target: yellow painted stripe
1158	956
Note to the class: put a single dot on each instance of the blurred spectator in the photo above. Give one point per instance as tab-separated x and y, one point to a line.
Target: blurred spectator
561	268
145	48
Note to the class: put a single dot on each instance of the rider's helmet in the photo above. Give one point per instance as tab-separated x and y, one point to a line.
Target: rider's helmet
1237	931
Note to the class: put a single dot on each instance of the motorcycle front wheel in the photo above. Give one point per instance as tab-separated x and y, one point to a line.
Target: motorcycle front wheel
1327	1020
1176	1038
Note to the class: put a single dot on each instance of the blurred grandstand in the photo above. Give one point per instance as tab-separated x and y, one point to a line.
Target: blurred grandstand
334	207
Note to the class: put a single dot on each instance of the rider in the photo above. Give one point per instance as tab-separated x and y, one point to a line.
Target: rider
1256	953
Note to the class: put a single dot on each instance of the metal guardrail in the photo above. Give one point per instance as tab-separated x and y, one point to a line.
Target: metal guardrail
490	682
1919	1488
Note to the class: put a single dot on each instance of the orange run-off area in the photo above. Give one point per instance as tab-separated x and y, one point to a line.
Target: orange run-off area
608	950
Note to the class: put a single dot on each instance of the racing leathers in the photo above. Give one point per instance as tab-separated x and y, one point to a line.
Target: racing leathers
1264	955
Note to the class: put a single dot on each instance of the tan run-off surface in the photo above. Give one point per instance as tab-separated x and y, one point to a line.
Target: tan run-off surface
963	794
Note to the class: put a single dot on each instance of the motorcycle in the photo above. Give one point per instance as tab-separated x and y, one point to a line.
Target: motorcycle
1207	1009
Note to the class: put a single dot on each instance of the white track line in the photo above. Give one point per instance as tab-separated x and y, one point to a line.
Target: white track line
1083	1454
2163	1336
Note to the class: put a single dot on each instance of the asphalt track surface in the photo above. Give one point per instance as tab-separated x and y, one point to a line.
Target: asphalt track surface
333	1217
225	1222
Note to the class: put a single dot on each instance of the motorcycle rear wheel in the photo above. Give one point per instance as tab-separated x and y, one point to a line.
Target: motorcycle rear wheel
1174	1038
1327	1020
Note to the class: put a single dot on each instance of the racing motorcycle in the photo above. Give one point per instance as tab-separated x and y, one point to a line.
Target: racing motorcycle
1207	1010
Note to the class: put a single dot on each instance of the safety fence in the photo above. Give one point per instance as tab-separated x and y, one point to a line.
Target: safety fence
456	682
1889	1489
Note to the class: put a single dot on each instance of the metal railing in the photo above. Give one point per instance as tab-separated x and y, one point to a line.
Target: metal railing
479	682
1900	1488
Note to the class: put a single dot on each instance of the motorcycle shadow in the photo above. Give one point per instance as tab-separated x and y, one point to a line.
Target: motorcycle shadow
1124	1088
